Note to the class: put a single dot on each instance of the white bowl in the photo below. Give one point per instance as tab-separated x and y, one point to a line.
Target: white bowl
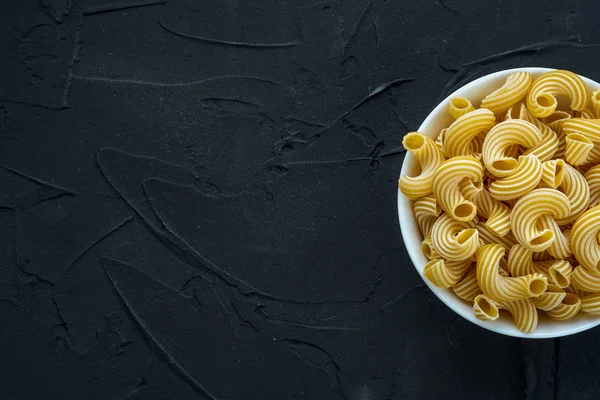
438	119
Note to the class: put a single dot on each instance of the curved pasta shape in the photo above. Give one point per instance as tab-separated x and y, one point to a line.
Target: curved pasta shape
459	106
591	304
486	308
524	179
595	100
549	144
576	188
507	241
513	90
444	273
503	136
590	128
586	114
550	299
523	311
576	291
520	262
454	240
567	309
528	211
584	239
426	210
428	249
577	149
505	288
586	280
496	213
429	157
592	176
541	100
446	186
553	172
457	141
468	288
439	140
560	247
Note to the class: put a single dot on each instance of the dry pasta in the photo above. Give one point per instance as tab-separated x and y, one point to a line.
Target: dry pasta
514	89
459	106
458	138
503	136
507	200
445	186
502	288
584	239
454	240
429	157
541	99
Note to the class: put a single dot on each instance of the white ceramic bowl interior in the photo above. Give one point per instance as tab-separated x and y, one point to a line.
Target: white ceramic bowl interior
438	119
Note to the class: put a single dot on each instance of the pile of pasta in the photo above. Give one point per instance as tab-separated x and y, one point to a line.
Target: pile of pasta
507	199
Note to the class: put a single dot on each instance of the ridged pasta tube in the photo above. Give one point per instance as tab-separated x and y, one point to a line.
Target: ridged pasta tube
503	136
584	239
523	311
520	263
527	212
541	100
458	138
503	288
524	179
446	186
548	146
454	240
468	288
496	213
459	106
514	89
429	156
445	273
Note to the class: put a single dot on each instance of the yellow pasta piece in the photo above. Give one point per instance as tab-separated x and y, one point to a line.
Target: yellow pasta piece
556	126
586	114
591	304
541	100
428	249
523	311
468	288
586	280
553	172
576	188
595	100
549	143
444	273
505	288
592	176
590	128
458	138
567	309
459	106
496	213
503	136
439	140
429	157
550	299
524	179
454	240
576	291
514	89
446	186
560	247
584	239
506	241
520	262
528	211
577	149
426	210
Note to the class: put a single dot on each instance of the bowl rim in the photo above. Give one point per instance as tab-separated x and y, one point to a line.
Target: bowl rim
406	216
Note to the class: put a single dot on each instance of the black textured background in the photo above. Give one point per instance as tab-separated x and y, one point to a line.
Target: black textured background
198	199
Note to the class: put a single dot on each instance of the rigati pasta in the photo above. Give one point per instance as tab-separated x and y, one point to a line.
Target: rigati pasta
508	200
